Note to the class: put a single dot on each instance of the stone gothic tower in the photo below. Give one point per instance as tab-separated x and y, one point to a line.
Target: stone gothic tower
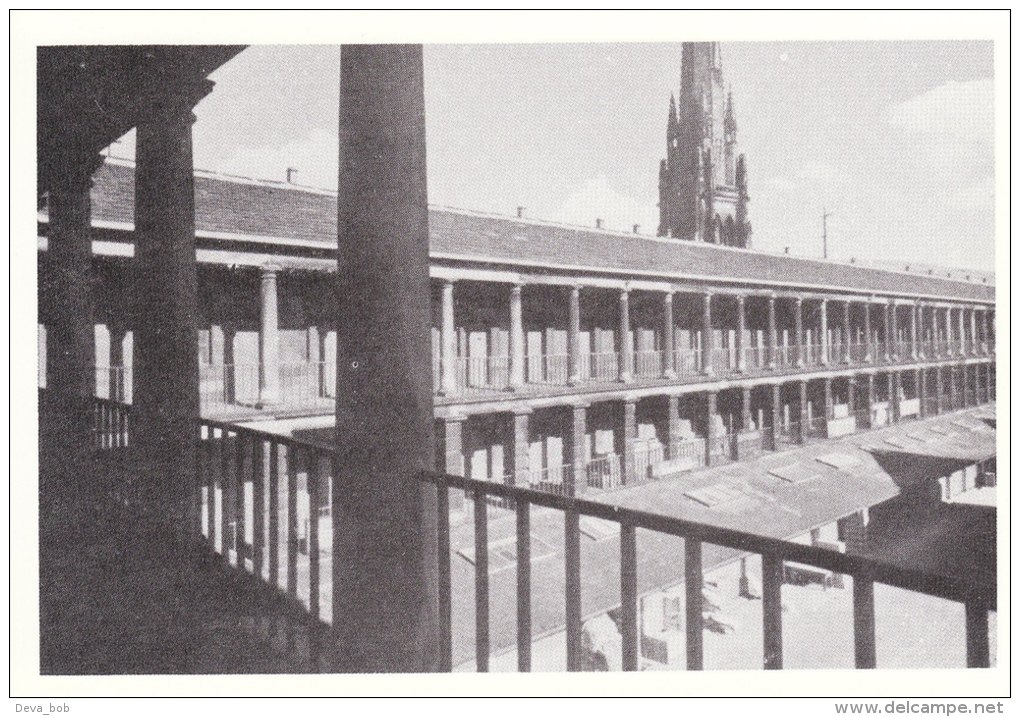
703	179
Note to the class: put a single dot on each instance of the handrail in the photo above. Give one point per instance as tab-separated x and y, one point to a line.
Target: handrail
942	586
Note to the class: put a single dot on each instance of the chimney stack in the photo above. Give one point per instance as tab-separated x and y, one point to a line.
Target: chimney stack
636	228
598	223
520	212
290	175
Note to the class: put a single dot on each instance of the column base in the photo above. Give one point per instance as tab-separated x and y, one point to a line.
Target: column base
626	378
669	375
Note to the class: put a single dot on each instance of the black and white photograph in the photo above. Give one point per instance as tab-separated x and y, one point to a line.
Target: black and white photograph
423	350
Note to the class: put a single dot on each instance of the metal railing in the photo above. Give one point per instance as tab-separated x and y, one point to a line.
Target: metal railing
603	367
775	553
305	382
687	363
479	374
114	383
110	423
605	472
647	364
551	369
264	510
222	385
724	361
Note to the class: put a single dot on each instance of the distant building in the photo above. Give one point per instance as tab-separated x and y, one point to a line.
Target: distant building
703	180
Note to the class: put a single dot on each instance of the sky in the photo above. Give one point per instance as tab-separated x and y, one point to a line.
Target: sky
893	139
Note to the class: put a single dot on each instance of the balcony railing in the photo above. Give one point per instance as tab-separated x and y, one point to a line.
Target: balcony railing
775	554
264	503
603	367
647	364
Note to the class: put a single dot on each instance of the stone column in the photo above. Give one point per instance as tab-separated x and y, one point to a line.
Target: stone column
868	350
384	527
949	332
824	330
741	327
972	312
894	330
522	446
745	408
711	409
798	318
626	341
668	364
229	368
517	362
629	439
706	334
894	395
803	418
846	332
448	339
65	416
166	405
777	412
269	335
773	347
870	397
829	413
990	329
963	333
913	331
919	381
940	402
574	337
453	443
673	420
579	456
851	399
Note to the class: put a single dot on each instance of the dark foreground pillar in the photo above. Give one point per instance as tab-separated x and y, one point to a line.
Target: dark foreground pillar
385	589
65	446
166	314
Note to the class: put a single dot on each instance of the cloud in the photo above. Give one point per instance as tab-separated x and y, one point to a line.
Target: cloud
596	199
954	111
313	156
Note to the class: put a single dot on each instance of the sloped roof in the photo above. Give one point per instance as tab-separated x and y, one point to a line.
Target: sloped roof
267	209
768	506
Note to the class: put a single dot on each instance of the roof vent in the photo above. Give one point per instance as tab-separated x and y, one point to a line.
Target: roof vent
598	224
290	175
520	212
637	228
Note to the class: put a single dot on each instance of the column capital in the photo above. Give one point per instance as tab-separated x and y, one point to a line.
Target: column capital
522	410
269	270
583	405
516	288
668	296
70	171
455	418
174	106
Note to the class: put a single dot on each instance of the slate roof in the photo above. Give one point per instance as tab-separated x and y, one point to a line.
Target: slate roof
266	209
769	506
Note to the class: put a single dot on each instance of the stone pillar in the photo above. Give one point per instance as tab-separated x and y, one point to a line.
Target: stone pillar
629	439
517	353
895	327
673	420
913	331
940	402
894	395
65	429
668	364
711	409
625	340
448	339
829	413
973	332
706	334
919	381
824	330
963	334
741	327
803	417
745	409
853	531
773	347
990	329
384	527
846	332
229	368
777	410
166	405
851	399
579	456
269	355
522	446
868	349
949	332
869	398
324	388
798	318
574	337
